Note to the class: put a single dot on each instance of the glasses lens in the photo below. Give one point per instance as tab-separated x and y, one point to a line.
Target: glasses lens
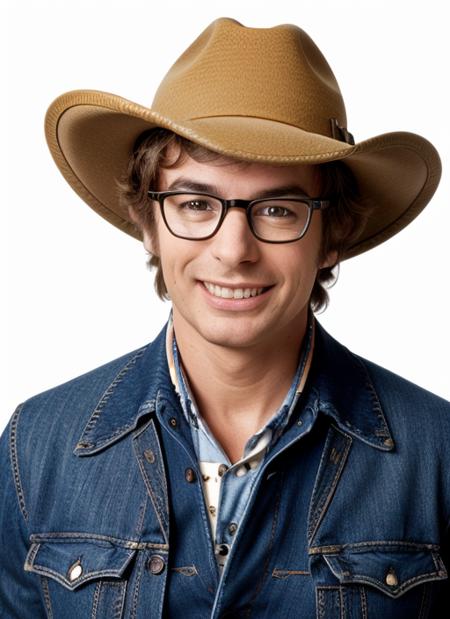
282	219
193	216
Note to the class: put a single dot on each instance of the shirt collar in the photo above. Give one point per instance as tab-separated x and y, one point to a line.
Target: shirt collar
144	379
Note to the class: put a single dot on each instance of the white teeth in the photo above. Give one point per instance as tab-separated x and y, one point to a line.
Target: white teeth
232	293
226	293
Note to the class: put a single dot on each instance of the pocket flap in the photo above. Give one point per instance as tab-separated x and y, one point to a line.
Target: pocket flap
73	562
393	570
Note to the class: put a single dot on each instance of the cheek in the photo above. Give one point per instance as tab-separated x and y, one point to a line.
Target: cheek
176	256
303	257
297	274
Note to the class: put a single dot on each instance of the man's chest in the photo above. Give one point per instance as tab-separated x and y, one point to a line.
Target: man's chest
323	534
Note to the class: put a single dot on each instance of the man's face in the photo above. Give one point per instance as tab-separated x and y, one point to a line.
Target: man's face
235	259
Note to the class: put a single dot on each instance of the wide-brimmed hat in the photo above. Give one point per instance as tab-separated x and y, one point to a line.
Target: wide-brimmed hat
258	94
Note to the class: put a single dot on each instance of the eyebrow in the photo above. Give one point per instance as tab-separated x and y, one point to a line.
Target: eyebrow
186	184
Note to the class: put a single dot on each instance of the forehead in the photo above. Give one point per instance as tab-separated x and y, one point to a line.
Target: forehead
229	176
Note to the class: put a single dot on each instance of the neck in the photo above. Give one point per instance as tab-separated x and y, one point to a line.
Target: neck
237	390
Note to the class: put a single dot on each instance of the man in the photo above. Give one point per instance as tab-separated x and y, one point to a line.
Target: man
244	464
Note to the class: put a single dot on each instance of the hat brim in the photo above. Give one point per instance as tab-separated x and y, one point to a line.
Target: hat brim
91	136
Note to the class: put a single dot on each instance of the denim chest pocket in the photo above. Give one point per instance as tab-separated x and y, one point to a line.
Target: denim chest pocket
389	581
81	577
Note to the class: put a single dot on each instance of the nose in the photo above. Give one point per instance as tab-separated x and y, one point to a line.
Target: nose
234	243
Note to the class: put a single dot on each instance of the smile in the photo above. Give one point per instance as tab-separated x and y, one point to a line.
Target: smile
232	293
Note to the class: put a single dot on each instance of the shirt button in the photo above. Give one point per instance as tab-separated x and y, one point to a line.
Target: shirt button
156	565
75	571
222	550
240	471
190	475
222	469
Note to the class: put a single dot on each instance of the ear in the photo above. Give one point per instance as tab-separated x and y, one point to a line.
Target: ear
329	260
150	243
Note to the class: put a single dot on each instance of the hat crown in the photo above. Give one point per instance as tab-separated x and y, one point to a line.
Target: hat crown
277	74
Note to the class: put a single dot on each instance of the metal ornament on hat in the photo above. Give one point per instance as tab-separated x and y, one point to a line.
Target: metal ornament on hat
341	133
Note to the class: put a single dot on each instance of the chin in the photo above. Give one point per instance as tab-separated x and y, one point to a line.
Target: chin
238	336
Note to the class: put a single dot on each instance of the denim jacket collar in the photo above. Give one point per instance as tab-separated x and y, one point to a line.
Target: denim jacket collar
132	395
340	387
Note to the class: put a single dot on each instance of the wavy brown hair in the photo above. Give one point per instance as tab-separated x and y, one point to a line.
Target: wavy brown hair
342	223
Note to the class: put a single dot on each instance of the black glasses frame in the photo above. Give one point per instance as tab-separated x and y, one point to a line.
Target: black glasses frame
312	203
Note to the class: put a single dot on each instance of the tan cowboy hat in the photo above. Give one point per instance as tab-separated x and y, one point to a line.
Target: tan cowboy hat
259	94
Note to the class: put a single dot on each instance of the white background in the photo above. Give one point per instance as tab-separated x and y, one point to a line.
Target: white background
76	292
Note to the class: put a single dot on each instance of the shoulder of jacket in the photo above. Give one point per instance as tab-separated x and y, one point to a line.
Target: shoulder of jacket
65	408
396	391
93	380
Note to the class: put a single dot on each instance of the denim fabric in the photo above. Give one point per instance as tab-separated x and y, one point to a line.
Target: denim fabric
102	513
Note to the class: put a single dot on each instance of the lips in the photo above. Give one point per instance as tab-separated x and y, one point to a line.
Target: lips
225	292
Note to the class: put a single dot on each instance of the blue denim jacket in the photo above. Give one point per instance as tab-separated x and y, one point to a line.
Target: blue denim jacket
102	513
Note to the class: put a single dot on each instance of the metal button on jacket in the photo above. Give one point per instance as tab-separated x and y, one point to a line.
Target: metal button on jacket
75	571
190	475
391	578
156	564
149	456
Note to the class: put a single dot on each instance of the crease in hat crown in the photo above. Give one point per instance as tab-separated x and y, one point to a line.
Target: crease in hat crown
265	95
276	74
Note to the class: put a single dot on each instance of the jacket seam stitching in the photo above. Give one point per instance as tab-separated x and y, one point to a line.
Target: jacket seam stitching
73	537
15	462
405	585
109	392
278	572
136	589
343	602
423	611
342	547
375	399
42	569
161	513
363	598
121	587
95	600
320	599
313	518
270	545
47	600
328	492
